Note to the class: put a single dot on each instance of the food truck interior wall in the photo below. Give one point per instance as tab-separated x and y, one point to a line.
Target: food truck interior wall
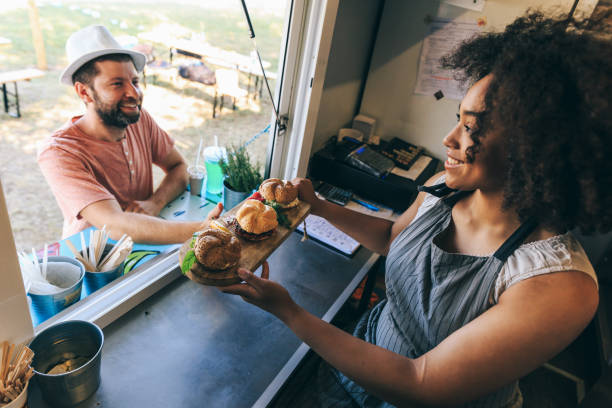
380	84
372	69
15	322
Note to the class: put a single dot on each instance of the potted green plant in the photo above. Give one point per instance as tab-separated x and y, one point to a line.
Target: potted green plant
241	176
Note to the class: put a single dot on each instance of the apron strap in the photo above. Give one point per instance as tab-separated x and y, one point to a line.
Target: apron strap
516	239
509	246
452	199
451	196
438	190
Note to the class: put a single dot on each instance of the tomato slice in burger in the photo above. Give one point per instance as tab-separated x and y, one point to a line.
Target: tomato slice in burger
256	196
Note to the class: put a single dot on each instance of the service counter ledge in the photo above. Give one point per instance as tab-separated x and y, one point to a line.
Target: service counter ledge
172	342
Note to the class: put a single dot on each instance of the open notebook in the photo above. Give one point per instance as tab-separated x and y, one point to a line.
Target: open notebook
320	229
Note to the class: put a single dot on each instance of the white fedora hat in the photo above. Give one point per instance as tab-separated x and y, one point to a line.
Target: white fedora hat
92	42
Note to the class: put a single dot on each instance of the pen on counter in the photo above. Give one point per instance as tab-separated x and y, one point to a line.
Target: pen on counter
366	205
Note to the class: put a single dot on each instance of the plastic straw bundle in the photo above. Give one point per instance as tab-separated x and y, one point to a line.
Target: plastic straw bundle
15	371
35	274
91	257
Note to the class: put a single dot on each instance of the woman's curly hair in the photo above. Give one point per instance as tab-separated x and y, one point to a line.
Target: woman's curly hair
550	99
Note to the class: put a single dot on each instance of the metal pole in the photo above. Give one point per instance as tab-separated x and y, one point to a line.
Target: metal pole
280	125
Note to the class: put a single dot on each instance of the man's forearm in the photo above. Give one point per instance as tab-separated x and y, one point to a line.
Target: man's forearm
147	229
174	183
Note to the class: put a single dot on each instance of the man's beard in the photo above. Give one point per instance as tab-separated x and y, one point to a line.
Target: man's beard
112	115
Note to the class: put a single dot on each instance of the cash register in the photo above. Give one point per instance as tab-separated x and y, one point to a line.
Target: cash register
367	159
366	171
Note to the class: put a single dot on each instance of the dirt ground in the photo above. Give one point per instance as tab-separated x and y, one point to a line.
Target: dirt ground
181	107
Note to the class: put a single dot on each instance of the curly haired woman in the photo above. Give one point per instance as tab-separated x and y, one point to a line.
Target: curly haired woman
485	283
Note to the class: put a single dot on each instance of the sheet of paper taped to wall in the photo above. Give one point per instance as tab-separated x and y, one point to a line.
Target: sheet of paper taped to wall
443	36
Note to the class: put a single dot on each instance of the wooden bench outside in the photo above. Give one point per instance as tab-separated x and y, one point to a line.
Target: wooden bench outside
14	77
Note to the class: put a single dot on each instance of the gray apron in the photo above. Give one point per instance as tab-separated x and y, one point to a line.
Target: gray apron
430	294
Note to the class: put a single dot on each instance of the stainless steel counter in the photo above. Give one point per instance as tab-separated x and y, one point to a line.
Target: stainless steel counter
192	346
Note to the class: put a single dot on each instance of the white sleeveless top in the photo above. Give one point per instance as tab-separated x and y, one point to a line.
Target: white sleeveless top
555	254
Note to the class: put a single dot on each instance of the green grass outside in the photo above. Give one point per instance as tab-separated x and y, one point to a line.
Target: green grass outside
223	28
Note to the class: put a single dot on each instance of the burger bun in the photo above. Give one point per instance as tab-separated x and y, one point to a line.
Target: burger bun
217	250
255	220
281	191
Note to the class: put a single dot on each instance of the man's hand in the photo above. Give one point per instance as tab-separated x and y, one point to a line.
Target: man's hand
149	207
263	293
212	215
307	194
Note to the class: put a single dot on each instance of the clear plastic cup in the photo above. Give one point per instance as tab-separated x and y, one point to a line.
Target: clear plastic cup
212	156
197	174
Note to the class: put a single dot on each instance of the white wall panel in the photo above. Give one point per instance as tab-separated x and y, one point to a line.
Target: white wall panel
15	322
388	94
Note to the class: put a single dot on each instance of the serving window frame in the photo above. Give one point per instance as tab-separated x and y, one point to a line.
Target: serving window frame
305	47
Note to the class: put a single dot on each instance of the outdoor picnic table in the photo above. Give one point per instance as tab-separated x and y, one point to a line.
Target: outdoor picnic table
218	56
204	51
7	77
247	64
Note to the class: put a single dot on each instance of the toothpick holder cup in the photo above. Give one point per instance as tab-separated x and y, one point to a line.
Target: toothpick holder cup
95	280
21	400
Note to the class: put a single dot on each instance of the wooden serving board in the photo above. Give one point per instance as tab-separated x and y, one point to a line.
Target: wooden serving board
253	253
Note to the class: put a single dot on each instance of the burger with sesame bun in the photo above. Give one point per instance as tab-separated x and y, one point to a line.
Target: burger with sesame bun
214	251
281	194
255	221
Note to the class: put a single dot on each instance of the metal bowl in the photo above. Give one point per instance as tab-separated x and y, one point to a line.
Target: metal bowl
62	343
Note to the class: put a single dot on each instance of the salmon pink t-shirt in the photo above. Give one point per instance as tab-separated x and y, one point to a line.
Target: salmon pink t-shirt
82	170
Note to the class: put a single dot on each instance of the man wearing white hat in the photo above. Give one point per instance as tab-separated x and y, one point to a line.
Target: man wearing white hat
99	165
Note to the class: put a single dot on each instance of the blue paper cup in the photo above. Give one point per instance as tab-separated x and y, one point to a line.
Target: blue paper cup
46	306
